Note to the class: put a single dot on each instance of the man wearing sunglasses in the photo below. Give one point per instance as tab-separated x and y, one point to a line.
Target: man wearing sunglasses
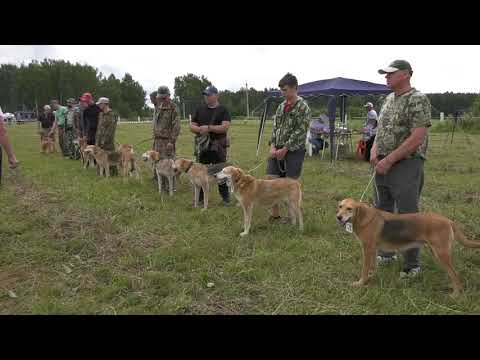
287	143
399	151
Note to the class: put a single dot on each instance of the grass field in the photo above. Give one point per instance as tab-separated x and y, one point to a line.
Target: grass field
75	243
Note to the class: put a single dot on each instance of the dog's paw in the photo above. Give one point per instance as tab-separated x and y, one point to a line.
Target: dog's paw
244	233
358	283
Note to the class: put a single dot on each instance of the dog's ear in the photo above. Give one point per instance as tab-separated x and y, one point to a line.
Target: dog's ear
156	156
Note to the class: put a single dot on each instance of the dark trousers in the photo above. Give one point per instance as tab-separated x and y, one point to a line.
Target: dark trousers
401	189
212	157
368	148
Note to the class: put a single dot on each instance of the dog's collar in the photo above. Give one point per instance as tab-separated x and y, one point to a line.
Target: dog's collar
188	167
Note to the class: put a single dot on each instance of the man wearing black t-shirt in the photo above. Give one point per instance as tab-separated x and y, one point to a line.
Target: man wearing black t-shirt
213	119
90	117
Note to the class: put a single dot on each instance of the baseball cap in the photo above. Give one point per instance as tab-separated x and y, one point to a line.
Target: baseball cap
395	66
210	90
368	104
86	97
71	101
103	100
163	91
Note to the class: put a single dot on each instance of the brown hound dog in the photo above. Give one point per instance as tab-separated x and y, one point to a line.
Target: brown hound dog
377	229
250	191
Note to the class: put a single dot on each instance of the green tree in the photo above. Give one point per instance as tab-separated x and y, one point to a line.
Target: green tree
476	107
188	90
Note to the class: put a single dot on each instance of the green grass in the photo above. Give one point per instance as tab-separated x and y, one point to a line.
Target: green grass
75	243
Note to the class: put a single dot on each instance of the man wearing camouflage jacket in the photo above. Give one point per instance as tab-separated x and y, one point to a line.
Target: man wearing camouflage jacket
287	143
399	152
107	124
166	125
72	121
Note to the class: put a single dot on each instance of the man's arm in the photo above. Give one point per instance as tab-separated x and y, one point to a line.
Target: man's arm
7	145
54	126
219	129
195	128
175	126
409	146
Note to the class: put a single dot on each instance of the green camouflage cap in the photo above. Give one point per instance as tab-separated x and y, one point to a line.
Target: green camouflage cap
71	101
395	66
163	91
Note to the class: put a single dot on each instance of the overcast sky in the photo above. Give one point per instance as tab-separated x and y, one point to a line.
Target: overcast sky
436	68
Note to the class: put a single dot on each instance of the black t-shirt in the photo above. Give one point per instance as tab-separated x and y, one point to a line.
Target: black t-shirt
203	116
47	120
90	117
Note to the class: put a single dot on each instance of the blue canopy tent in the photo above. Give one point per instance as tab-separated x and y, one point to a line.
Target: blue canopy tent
330	88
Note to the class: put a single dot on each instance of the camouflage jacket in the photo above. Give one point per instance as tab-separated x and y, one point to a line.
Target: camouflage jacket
398	116
290	129
107	124
166	123
72	119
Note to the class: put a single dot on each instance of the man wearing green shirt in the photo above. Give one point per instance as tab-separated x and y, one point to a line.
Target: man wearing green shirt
60	117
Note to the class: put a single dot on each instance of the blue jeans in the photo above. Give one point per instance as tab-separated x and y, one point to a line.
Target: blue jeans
317	143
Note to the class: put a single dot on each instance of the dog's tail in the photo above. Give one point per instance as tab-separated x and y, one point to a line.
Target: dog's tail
460	237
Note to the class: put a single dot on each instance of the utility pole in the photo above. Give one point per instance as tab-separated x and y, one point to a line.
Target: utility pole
184	110
246	89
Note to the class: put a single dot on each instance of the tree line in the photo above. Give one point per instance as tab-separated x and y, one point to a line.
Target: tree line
24	87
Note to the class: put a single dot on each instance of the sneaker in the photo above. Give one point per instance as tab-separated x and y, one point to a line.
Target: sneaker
410	274
384	260
226	202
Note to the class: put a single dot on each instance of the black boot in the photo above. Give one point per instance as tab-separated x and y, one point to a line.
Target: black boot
223	190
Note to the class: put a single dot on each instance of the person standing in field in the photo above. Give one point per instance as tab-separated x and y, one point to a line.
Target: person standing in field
90	117
287	143
166	127
60	116
45	122
210	124
399	152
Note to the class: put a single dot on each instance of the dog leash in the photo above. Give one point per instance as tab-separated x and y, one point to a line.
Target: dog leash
368	185
261	163
141	142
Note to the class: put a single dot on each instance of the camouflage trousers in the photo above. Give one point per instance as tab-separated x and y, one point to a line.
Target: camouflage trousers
160	145
69	148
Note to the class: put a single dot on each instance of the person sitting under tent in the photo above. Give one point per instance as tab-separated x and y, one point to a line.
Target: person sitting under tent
318	127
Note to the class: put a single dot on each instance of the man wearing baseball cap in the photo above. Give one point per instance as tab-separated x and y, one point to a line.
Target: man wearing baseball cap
370	129
211	121
166	127
399	152
107	124
90	117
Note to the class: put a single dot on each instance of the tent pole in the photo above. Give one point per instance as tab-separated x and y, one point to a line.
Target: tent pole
332	107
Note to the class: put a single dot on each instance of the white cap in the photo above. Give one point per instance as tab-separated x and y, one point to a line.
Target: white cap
47	107
103	100
368	104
